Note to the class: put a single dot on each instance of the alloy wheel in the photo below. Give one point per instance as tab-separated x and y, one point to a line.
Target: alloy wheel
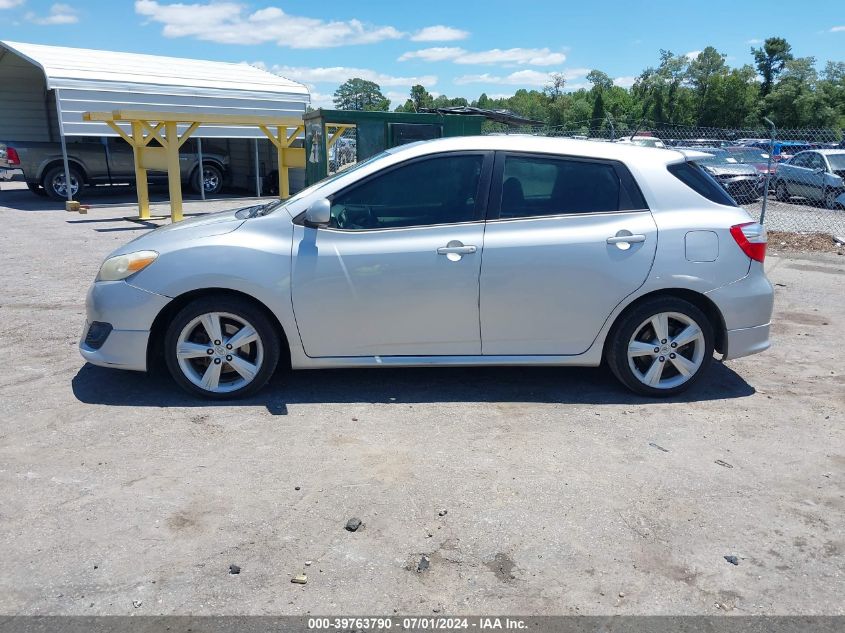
219	352
210	179
59	187
666	350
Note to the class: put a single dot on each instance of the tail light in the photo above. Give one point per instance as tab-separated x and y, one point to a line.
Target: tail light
12	156
751	238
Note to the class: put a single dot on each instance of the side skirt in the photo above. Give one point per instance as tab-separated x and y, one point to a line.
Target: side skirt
582	360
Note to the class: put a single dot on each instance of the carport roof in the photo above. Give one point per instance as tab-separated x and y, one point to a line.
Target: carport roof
87	80
81	67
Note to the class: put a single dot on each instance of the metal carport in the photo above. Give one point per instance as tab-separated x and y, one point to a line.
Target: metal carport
44	91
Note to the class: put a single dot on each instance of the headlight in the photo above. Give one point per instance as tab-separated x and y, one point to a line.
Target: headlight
121	266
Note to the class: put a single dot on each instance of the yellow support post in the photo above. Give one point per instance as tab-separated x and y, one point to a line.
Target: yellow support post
284	180
140	173
174	173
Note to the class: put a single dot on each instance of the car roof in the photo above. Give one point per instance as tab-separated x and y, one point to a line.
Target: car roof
549	145
829	152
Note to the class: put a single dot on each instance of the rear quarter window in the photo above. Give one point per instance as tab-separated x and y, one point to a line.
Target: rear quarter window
701	182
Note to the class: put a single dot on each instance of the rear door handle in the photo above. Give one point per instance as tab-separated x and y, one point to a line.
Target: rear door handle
630	239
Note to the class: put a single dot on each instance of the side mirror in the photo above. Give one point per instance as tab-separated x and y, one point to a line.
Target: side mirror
319	213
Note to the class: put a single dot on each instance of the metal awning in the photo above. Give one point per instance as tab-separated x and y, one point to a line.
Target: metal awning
88	80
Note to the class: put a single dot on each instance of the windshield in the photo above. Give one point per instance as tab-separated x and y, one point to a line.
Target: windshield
837	161
278	204
718	157
750	156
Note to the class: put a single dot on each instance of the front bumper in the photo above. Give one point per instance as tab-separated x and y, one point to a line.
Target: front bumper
131	312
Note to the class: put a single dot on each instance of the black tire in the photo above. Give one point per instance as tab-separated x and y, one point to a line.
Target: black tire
616	352
781	191
212	177
241	308
829	198
37	189
49	182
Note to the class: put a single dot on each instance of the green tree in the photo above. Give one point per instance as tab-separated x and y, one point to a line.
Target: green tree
601	82
796	100
706	68
771	59
360	94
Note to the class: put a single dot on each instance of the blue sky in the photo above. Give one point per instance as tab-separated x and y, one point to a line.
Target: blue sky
451	47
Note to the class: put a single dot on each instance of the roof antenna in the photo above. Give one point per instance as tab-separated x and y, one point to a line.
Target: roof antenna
637	129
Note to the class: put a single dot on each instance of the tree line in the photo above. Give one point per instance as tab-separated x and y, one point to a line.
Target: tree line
701	91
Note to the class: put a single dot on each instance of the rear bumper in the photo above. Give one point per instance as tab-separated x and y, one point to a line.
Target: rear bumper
746	306
747	341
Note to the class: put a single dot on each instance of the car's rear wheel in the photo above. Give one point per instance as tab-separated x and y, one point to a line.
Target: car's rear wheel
221	347
212	179
781	191
661	347
55	186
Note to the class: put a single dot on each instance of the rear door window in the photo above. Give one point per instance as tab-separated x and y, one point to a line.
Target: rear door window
537	186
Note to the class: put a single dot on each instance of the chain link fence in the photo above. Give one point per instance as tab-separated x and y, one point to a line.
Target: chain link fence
791	180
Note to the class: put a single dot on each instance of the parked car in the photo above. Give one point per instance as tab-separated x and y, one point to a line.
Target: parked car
817	175
704	142
753	156
97	161
496	250
743	182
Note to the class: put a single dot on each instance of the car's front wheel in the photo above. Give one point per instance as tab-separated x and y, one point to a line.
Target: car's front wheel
661	347
781	191
221	347
830	196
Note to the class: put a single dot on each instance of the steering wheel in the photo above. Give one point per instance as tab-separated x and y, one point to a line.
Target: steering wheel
356	216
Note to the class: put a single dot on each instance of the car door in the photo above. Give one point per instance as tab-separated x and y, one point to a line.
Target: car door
121	160
814	187
395	273
566	241
797	174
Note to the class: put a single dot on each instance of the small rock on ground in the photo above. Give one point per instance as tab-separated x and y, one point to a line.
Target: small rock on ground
353	524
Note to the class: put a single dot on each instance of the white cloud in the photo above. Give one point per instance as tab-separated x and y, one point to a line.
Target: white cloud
9	4
837	29
510	56
528	78
339	74
436	54
58	14
229	23
439	33
692	55
624	82
754	40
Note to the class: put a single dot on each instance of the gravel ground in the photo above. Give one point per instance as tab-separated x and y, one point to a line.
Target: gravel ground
563	493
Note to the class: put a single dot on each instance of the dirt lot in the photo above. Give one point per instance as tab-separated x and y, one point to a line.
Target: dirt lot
564	493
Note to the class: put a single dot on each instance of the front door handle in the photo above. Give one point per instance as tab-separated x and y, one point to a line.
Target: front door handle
458	250
455	249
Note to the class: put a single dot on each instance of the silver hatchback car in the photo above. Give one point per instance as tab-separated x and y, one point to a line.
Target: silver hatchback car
464	251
